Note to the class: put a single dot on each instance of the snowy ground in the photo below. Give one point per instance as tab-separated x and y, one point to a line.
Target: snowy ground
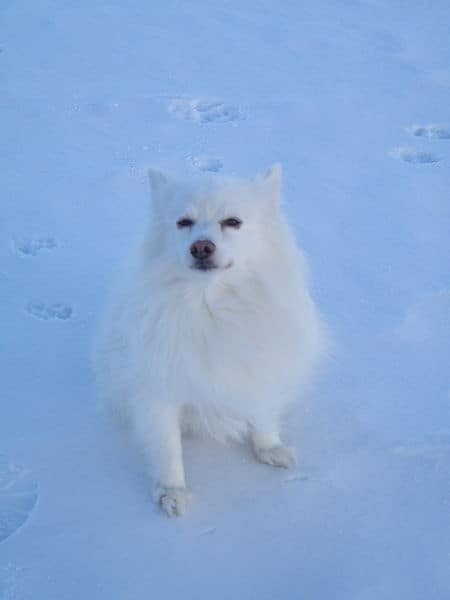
353	98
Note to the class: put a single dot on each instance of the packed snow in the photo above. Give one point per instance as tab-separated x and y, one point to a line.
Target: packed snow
353	98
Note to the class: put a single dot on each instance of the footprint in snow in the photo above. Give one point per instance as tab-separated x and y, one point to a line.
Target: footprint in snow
57	310
98	109
441	132
18	496
413	155
209	531
202	110
32	246
207	163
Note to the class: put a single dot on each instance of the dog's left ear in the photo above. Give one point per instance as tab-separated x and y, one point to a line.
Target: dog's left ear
158	181
159	184
271	182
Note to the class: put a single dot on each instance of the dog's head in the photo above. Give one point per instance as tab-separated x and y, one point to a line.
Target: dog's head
218	224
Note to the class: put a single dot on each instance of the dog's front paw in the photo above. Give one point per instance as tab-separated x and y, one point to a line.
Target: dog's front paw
174	501
277	456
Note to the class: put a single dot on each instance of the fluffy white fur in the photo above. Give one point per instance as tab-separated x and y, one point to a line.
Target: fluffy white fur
220	350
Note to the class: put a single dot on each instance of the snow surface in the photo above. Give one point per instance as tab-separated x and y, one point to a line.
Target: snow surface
353	98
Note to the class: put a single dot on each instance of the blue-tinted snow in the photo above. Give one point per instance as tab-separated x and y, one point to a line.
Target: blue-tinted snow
354	99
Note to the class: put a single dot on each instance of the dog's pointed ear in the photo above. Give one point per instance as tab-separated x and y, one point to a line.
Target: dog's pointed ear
271	182
158	184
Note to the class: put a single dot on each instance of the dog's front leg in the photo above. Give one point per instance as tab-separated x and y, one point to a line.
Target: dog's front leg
162	439
270	450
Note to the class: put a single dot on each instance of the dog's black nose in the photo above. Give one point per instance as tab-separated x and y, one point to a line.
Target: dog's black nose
202	249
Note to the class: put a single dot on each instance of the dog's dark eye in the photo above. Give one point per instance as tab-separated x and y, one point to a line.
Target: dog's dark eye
231	222
185	222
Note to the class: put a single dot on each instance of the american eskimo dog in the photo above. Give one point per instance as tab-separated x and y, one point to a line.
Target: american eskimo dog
214	328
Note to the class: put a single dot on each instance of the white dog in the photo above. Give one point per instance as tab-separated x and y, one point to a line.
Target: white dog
214	328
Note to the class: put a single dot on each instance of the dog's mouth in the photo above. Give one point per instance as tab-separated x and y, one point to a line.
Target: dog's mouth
208	265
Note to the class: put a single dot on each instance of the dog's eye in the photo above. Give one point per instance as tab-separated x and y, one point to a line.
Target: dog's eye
231	222
185	222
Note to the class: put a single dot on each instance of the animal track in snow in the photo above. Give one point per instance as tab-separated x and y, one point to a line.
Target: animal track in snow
207	163
295	478
441	132
57	310
18	496
98	109
413	155
32	246
204	111
209	531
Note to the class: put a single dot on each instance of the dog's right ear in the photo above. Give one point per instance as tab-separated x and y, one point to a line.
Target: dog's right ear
269	184
158	184
272	180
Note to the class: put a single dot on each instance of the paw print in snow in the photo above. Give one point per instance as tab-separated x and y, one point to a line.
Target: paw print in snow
204	111
207	163
57	310
441	132
18	496
31	247
413	155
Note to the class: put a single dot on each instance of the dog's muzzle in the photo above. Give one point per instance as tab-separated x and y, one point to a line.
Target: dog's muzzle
203	265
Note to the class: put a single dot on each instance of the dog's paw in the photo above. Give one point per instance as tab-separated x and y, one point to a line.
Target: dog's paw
174	501
277	456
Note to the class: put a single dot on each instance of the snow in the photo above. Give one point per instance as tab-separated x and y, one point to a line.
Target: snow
353	98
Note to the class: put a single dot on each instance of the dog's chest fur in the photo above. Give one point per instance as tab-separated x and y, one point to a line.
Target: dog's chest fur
224	342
